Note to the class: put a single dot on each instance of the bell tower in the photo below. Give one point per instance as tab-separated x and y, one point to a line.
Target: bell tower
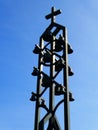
52	51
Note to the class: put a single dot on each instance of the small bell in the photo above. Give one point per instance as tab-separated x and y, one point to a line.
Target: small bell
59	44
46	82
70	97
37	49
59	64
59	90
35	72
70	50
47	56
33	97
70	73
61	40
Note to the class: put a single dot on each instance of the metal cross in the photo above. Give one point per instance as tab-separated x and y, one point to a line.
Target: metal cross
53	14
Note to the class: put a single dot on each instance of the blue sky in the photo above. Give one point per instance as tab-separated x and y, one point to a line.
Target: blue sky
21	24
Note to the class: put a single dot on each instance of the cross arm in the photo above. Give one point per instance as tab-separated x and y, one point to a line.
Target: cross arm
53	14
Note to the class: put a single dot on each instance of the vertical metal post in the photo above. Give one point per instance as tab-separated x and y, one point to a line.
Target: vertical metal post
52	47
37	109
66	95
51	102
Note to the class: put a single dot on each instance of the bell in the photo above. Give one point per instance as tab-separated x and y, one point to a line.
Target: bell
47	36
54	124
46	82
47	56
61	40
33	97
59	90
59	64
35	72
37	49
70	73
70	50
70	97
59	44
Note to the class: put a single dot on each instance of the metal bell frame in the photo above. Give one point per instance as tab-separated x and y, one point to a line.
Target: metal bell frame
48	55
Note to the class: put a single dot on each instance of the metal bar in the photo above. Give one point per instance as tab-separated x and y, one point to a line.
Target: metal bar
52	69
55	13
53	16
37	108
46	118
65	76
56	31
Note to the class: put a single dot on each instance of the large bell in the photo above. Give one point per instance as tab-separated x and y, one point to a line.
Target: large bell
59	64
35	72
70	97
47	36
33	97
37	49
59	90
70	50
46	81
70	72
47	56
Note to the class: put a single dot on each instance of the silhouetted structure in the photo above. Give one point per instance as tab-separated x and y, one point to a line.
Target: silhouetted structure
53	51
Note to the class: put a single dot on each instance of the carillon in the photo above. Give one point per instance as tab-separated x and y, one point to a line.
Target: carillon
52	51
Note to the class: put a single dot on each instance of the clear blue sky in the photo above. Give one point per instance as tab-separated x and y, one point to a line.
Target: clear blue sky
21	24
